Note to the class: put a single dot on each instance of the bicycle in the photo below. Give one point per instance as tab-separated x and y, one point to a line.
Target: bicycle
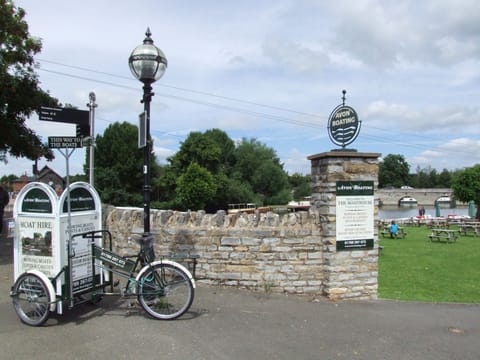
164	288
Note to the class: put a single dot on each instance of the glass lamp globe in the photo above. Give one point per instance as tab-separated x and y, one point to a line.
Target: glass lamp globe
147	62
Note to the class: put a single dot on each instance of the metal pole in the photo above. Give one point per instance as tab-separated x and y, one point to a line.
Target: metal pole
91	105
67	155
147	97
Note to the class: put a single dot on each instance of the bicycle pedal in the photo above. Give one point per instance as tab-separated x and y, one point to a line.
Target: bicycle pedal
116	282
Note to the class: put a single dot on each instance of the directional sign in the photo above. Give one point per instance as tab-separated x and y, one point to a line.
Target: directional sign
64	142
67	115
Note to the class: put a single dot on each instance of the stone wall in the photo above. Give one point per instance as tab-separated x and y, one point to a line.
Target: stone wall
265	251
293	253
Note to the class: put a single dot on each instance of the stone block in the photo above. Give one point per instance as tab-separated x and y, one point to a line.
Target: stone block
230	241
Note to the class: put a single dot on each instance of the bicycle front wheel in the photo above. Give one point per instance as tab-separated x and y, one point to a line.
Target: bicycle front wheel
165	291
31	299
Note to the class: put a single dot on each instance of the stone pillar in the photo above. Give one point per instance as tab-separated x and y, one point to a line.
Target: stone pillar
350	274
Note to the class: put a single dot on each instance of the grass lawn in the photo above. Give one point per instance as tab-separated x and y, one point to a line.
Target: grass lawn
417	269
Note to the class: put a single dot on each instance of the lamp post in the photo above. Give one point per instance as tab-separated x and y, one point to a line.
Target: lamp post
147	63
91	105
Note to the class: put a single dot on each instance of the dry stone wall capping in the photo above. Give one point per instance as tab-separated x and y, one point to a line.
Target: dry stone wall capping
293	252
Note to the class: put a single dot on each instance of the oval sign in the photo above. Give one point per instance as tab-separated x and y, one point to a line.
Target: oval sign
343	125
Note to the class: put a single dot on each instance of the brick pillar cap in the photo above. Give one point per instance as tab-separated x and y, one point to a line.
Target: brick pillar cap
344	154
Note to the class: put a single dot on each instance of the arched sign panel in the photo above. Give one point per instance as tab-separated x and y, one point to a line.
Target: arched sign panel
85	215
36	244
82	198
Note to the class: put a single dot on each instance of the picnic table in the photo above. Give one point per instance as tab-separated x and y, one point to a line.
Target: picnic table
438	222
443	235
470	227
400	234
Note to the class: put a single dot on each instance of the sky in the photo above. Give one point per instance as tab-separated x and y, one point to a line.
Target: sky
271	70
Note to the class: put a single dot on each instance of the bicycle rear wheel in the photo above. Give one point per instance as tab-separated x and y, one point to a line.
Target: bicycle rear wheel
165	291
31	299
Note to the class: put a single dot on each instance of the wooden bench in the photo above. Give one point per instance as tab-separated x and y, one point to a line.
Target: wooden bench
400	234
443	235
472	228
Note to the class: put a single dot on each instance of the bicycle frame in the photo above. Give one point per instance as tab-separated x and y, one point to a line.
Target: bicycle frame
164	288
115	264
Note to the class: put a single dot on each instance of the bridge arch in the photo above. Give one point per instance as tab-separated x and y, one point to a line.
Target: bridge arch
424	197
407	200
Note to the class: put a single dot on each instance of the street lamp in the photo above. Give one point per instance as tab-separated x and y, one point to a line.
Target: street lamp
147	63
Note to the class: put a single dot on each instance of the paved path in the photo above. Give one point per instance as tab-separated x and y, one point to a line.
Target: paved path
238	324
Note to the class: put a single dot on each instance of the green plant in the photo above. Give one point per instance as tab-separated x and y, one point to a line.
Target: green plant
267	285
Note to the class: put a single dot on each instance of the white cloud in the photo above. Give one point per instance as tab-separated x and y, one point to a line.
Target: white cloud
411	69
296	162
454	154
437	119
295	56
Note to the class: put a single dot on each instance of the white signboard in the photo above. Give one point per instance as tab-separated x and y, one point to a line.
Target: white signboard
355	215
36	249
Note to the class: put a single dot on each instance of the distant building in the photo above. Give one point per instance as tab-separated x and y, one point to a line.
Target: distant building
46	176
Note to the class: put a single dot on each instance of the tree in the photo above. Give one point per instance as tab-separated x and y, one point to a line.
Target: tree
430	178
393	171
247	172
195	187
301	185
466	186
198	148
119	164
259	165
444	179
20	93
271	182
7	179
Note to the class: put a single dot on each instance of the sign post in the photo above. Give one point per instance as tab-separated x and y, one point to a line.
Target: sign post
66	145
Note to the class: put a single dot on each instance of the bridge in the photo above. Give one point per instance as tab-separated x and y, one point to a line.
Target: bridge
424	197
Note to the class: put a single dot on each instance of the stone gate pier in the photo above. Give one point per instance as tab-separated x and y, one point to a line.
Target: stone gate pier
293	252
354	273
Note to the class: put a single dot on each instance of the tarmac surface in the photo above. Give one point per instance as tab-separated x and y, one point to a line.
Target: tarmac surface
227	323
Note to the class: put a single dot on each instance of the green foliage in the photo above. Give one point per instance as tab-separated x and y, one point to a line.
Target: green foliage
269	181
417	269
248	172
200	149
444	179
20	93
466	186
301	186
195	187
119	164
393	171
259	166
7	179
78	177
